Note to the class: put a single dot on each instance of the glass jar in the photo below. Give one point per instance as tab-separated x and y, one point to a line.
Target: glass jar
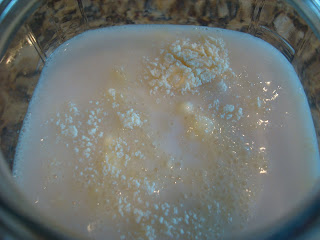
31	30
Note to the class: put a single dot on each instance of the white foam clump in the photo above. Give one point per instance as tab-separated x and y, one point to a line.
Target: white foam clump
185	65
130	119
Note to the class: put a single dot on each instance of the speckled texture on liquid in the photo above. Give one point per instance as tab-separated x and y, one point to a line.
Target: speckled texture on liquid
57	21
229	120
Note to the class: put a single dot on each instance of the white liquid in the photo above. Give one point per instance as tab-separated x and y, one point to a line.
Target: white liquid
210	167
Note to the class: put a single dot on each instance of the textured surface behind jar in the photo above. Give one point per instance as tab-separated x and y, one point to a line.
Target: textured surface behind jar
58	20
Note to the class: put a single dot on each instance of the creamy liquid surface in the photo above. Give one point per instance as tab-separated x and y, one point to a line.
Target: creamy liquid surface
166	132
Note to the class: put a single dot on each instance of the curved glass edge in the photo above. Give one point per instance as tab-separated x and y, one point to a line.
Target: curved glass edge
310	12
4	4
12	15
23	220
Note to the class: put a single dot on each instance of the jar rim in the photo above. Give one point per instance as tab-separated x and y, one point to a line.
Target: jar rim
13	14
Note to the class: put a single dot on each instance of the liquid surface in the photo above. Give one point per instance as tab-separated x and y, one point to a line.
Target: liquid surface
166	132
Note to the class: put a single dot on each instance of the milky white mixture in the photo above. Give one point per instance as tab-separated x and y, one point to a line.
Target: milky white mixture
166	132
